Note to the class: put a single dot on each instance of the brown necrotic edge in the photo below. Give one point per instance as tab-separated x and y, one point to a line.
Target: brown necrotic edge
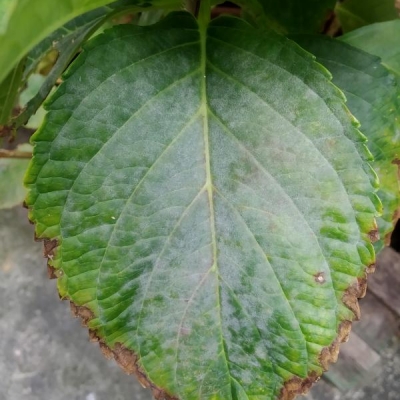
297	386
124	357
128	360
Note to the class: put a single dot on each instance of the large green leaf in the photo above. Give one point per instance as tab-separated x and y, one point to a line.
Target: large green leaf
373	98
210	200
30	21
285	16
354	14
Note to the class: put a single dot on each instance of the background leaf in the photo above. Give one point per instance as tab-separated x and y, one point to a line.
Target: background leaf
65	42
12	171
372	97
211	202
40	18
33	85
9	91
74	31
354	14
7	7
382	39
286	16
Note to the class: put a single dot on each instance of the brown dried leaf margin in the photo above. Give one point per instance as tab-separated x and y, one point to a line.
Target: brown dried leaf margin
129	361
124	357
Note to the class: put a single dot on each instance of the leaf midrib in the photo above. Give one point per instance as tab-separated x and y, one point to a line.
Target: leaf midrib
203	28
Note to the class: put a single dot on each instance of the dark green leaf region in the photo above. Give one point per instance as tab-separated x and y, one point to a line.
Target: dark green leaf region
206	199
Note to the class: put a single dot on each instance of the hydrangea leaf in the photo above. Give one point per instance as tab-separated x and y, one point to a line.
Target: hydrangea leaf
207	202
372	96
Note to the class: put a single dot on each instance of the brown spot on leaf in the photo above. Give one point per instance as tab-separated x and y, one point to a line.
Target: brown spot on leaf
320	277
371	268
373	234
183	331
48	248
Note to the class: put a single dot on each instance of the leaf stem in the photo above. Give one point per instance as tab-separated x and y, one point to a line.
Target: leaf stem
204	13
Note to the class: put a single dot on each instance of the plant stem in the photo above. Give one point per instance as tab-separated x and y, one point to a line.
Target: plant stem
15	154
204	13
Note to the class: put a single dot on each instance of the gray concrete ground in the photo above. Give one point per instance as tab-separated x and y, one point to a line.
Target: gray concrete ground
386	386
45	353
